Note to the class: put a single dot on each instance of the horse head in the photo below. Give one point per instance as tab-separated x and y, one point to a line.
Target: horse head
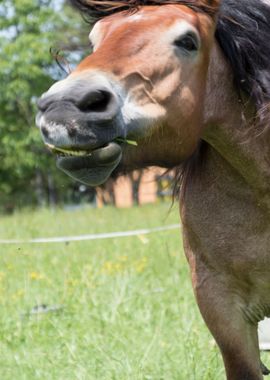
145	81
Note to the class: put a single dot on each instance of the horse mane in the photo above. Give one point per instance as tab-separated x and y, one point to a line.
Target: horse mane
243	33
97	9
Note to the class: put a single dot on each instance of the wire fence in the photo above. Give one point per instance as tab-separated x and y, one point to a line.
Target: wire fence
100	236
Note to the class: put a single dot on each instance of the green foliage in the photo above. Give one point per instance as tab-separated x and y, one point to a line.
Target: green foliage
28	29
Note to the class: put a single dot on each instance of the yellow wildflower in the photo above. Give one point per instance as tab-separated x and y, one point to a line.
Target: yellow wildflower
107	267
140	265
36	276
72	282
20	293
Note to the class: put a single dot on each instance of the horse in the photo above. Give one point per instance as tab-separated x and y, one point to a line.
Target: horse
189	82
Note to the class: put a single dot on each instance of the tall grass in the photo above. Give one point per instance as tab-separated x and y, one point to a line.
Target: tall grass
118	309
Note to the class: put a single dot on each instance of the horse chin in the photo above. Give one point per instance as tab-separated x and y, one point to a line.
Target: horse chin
93	169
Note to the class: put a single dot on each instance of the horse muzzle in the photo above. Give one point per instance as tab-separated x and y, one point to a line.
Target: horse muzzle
80	126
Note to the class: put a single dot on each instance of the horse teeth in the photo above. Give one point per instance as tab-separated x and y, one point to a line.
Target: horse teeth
69	153
77	153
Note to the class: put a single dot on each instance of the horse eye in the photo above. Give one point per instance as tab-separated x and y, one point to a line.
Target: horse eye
189	43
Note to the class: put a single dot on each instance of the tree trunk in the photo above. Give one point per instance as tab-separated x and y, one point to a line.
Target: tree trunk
40	190
52	192
135	179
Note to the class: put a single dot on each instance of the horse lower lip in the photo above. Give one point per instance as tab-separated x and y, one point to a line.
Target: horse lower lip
92	169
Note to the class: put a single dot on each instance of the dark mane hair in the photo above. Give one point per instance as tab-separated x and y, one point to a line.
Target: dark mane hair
97	9
243	32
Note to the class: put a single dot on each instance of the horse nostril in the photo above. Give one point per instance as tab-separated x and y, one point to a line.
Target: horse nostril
96	101
45	102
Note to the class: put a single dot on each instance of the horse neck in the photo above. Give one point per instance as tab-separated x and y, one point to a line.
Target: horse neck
230	128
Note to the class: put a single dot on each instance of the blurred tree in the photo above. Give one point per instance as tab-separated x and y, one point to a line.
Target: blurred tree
28	30
135	178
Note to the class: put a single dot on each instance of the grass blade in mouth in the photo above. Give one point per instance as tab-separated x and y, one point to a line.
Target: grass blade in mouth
80	153
69	151
130	142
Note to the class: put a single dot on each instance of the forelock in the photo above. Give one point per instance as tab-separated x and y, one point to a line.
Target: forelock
97	9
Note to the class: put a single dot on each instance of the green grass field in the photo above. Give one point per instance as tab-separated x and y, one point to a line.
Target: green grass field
128	310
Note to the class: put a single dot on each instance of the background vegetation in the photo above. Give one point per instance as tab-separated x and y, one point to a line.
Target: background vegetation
29	29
